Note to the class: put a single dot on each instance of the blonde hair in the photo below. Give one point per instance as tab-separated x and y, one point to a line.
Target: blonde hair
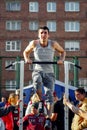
12	99
35	98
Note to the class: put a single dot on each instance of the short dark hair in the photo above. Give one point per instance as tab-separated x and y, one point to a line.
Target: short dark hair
44	27
81	90
35	105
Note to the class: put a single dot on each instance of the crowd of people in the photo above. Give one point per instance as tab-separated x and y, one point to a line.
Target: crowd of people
35	116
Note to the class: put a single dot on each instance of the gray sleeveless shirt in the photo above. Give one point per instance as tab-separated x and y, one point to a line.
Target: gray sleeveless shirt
44	54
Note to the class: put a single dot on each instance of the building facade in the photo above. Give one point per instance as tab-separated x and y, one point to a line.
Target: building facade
19	22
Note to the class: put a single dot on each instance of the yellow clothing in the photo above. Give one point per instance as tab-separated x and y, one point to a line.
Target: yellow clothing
78	122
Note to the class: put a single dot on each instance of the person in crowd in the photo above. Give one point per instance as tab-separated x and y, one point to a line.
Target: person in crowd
11	118
57	116
74	108
35	120
43	74
24	104
35	98
3	112
3	101
78	122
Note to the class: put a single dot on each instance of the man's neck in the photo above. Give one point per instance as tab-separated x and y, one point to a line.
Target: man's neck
44	44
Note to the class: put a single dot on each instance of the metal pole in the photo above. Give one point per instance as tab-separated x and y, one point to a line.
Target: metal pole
21	94
66	120
56	69
17	73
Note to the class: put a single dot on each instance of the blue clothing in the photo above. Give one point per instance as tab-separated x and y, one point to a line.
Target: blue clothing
2	104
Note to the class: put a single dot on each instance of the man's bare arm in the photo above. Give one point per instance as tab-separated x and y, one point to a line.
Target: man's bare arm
28	51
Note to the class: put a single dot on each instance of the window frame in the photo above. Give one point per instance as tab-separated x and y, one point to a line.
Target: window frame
34	6
13	5
72	26
13	44
70	43
51	6
33	25
9	85
72	6
52	25
14	25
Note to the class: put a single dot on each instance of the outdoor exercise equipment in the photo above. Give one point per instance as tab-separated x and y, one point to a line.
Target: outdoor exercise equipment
66	67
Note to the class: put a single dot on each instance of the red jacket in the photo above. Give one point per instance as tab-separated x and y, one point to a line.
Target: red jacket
34	122
8	120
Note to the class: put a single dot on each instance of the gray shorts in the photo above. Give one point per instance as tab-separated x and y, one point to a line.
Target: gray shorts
47	80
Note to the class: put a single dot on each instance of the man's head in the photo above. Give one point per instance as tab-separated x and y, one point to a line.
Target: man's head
43	34
55	96
80	94
44	28
34	108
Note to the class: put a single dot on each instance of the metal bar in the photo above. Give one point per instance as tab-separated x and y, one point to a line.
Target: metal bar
21	94
66	69
44	62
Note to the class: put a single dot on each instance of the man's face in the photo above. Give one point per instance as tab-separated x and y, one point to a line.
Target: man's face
43	35
34	110
79	96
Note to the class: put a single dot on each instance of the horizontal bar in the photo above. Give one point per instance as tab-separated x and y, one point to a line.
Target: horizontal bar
44	62
34	62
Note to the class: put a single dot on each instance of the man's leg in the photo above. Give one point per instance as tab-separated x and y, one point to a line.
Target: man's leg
49	82
37	82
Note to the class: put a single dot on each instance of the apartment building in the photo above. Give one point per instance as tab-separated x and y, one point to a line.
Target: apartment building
19	22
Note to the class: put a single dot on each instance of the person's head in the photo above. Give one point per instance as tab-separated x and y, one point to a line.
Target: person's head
80	94
43	34
34	108
12	99
55	96
35	98
3	99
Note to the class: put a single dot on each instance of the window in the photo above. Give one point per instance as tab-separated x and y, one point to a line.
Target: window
83	82
10	85
72	45
13	25
51	7
33	25
51	25
8	62
33	7
13	6
72	26
13	45
72	6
